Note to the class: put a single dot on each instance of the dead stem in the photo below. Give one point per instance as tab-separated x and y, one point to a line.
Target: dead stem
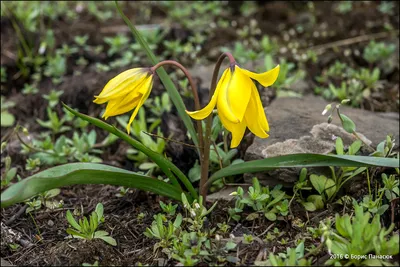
350	41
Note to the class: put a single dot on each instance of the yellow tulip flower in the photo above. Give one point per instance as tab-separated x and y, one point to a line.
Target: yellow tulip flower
125	92
238	102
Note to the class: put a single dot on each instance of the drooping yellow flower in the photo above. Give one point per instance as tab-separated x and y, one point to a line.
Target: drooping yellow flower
238	102
125	92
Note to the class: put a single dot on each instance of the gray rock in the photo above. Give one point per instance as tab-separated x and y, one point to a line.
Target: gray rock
297	126
300	86
225	193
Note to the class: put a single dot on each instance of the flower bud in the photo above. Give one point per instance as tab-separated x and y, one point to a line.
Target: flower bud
330	119
25	131
192	213
345	101
217	237
327	108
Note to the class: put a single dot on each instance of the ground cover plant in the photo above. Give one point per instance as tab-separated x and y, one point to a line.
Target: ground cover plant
78	163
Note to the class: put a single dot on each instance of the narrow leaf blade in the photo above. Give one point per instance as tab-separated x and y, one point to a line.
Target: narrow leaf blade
84	173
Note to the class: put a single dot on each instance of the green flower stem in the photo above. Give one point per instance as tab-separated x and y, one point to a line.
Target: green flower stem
209	119
166	166
195	96
166	80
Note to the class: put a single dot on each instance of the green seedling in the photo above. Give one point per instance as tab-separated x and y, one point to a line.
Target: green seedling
327	188
344	7
9	173
55	124
44	200
30	90
391	186
292	257
358	235
197	212
81	40
7	119
165	234
53	97
67	50
378	51
262	200
158	106
303	184
386	7
56	68
168	209
32	164
116	44
87	229
247	239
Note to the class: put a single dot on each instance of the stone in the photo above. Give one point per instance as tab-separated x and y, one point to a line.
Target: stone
300	86
225	193
297	126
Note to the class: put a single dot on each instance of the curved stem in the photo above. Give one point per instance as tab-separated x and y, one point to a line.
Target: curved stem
195	96
206	159
165	79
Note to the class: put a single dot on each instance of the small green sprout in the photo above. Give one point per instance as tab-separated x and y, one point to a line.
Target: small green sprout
30	90
86	229
32	164
168	209
53	97
248	239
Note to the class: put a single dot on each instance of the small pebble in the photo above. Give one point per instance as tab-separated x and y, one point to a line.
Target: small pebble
347	52
50	223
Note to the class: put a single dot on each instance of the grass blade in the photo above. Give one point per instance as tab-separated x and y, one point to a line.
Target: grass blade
303	160
166	80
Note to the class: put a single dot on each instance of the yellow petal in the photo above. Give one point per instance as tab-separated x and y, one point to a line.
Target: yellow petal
127	102
238	94
262	118
120	106
122	84
266	78
145	95
223	104
237	129
120	78
204	112
254	118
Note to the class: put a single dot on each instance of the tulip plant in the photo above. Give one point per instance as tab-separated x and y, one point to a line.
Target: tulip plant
238	106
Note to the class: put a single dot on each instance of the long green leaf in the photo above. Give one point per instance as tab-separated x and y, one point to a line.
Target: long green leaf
166	80
303	160
84	173
166	166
